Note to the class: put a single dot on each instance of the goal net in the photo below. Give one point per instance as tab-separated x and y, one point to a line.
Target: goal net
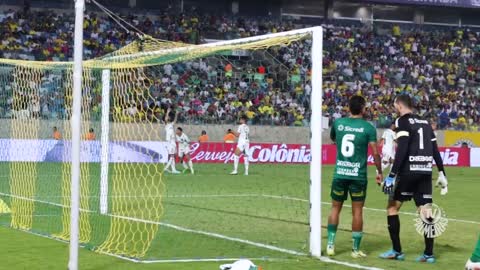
129	207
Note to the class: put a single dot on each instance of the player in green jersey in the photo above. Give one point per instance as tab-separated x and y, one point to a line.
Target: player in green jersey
474	262
353	136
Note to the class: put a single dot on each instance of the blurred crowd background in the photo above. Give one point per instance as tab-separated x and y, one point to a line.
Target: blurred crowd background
438	65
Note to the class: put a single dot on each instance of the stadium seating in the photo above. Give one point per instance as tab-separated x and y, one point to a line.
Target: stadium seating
439	66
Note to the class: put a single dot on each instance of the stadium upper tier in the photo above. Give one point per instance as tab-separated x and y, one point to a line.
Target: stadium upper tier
439	66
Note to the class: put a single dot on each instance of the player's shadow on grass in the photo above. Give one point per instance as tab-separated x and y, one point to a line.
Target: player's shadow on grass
443	248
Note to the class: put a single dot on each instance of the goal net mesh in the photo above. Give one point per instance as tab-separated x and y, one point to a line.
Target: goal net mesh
148	214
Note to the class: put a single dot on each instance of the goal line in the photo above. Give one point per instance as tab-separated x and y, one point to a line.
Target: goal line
193	231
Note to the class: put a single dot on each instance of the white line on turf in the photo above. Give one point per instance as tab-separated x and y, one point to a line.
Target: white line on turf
246	195
188	260
160	261
179	228
367	208
210	196
303	200
41	201
172	226
216	235
220	236
211	260
351	265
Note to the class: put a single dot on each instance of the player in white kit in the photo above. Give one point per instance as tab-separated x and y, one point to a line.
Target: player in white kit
388	148
184	150
243	145
171	141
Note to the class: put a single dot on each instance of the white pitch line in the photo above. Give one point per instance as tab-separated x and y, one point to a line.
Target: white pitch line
159	261
352	265
215	235
304	200
243	195
366	208
44	202
172	226
411	214
211	260
182	260
179	228
224	237
210	196
284	198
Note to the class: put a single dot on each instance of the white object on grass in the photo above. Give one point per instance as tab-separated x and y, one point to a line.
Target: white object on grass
239	265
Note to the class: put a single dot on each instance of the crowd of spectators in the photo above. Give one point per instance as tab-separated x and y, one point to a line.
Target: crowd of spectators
439	67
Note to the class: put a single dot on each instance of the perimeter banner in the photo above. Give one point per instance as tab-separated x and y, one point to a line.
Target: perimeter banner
298	154
457	138
156	152
90	151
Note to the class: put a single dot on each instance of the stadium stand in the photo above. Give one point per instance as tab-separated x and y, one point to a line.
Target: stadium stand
439	66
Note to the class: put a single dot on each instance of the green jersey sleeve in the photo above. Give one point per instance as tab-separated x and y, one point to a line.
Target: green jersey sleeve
333	133
372	133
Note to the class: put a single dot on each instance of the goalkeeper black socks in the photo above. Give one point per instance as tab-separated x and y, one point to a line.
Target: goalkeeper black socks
428	246
394	230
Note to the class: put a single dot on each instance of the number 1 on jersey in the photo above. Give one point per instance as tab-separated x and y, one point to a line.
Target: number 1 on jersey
420	132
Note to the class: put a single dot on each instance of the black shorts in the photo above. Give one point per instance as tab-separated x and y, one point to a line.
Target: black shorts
416	186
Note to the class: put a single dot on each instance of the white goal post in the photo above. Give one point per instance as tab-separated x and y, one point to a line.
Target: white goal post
315	126
104	141
76	140
316	144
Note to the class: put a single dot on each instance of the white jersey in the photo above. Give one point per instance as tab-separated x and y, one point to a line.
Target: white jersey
170	133
244	131
388	142
183	141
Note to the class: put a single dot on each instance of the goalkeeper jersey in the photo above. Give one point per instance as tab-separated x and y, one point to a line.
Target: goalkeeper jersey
352	137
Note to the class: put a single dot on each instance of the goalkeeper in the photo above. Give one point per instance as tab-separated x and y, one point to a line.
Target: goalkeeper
411	174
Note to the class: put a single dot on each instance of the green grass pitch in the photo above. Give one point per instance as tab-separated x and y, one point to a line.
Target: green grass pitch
269	207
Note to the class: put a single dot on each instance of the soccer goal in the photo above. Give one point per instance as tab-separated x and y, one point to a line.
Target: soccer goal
128	206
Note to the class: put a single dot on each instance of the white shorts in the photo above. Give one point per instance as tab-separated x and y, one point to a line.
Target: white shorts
171	148
183	151
386	157
244	147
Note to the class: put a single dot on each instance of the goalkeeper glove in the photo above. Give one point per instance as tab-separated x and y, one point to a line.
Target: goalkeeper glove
442	182
388	184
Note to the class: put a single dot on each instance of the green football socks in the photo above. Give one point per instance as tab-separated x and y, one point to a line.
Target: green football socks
332	232
476	253
357	239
